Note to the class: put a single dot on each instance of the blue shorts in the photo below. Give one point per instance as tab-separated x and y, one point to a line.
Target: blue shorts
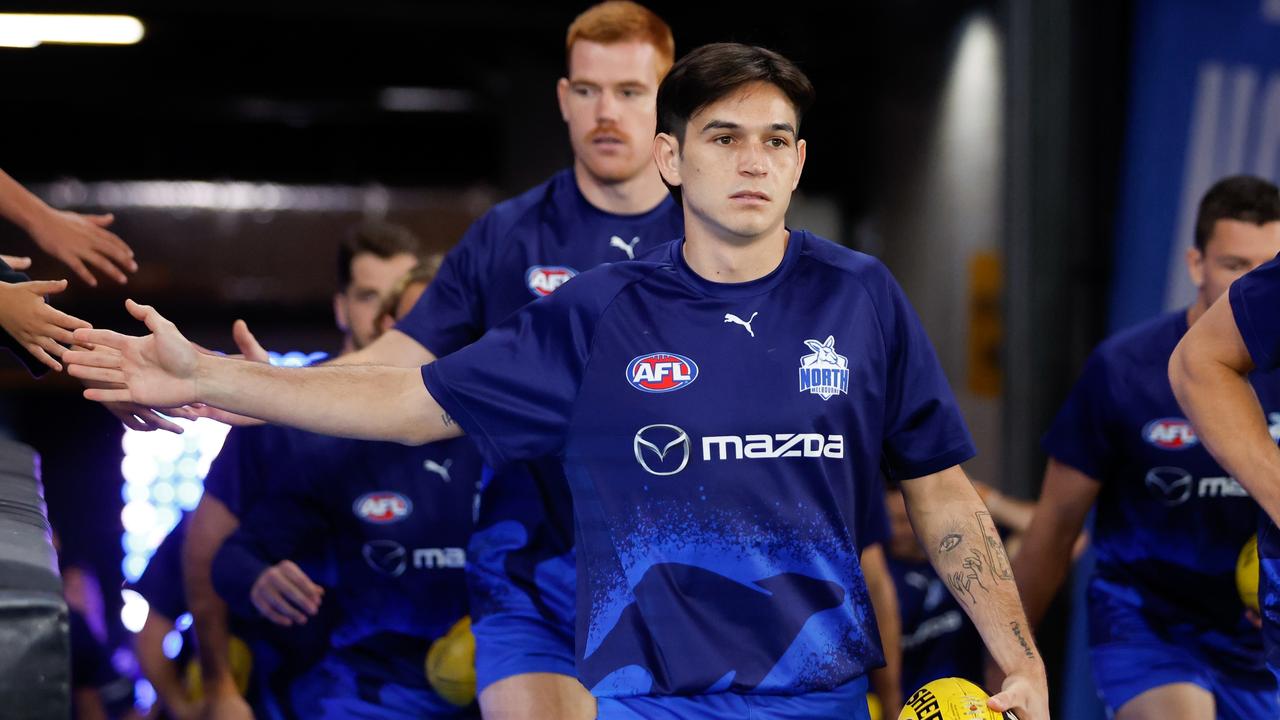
345	685
847	702
1132	658
515	644
521	574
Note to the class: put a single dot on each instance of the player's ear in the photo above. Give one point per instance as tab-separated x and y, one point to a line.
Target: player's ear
666	154
1195	266
562	97
801	148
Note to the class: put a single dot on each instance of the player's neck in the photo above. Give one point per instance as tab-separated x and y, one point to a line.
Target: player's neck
732	260
1197	309
634	196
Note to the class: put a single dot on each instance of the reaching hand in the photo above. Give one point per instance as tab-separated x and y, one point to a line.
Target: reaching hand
1025	693
82	240
250	350
283	593
156	371
16	263
40	328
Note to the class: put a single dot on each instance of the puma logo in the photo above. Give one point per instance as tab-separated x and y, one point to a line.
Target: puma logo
624	246
437	468
731	318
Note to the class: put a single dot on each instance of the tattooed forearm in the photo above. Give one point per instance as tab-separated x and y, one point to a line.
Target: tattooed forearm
998	561
963	581
949	543
446	419
1022	640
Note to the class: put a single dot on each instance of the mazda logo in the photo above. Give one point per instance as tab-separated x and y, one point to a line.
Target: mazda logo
662	446
1169	485
386	556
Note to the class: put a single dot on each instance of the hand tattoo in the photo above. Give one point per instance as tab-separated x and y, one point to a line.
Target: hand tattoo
446	419
963	581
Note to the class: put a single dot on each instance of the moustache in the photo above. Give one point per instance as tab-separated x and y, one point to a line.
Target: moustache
608	131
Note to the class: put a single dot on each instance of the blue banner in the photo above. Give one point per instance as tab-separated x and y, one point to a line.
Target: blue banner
1204	103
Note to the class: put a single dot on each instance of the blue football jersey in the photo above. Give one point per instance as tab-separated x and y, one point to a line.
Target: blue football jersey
721	442
1254	299
1169	521
382	525
249	465
521	250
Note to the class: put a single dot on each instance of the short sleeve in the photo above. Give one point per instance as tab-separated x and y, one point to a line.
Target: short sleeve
450	314
1255	301
514	390
924	430
1079	435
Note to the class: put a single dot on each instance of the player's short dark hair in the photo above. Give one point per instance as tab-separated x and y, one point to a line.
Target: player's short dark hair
380	239
713	71
1240	197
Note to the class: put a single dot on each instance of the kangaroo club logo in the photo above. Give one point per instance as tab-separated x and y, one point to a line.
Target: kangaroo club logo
1171	433
824	372
661	372
382	508
542	280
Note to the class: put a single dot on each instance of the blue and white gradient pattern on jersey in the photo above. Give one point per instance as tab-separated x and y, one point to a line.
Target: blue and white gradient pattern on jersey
717	524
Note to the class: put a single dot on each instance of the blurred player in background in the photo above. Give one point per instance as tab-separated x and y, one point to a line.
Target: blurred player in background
1168	633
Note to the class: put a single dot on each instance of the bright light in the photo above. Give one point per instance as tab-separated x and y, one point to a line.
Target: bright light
189	493
138	469
183	623
138	517
172	644
29	30
134	491
134	612
144	695
162	492
133	565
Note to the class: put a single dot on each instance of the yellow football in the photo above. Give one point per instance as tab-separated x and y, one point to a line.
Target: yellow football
451	664
241	660
948	699
1247	574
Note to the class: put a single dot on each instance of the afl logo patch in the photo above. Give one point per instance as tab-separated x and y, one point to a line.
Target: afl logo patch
542	280
381	508
661	372
1171	433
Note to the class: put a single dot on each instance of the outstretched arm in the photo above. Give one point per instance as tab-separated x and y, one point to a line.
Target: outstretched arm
957	533
80	241
164	369
1208	372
